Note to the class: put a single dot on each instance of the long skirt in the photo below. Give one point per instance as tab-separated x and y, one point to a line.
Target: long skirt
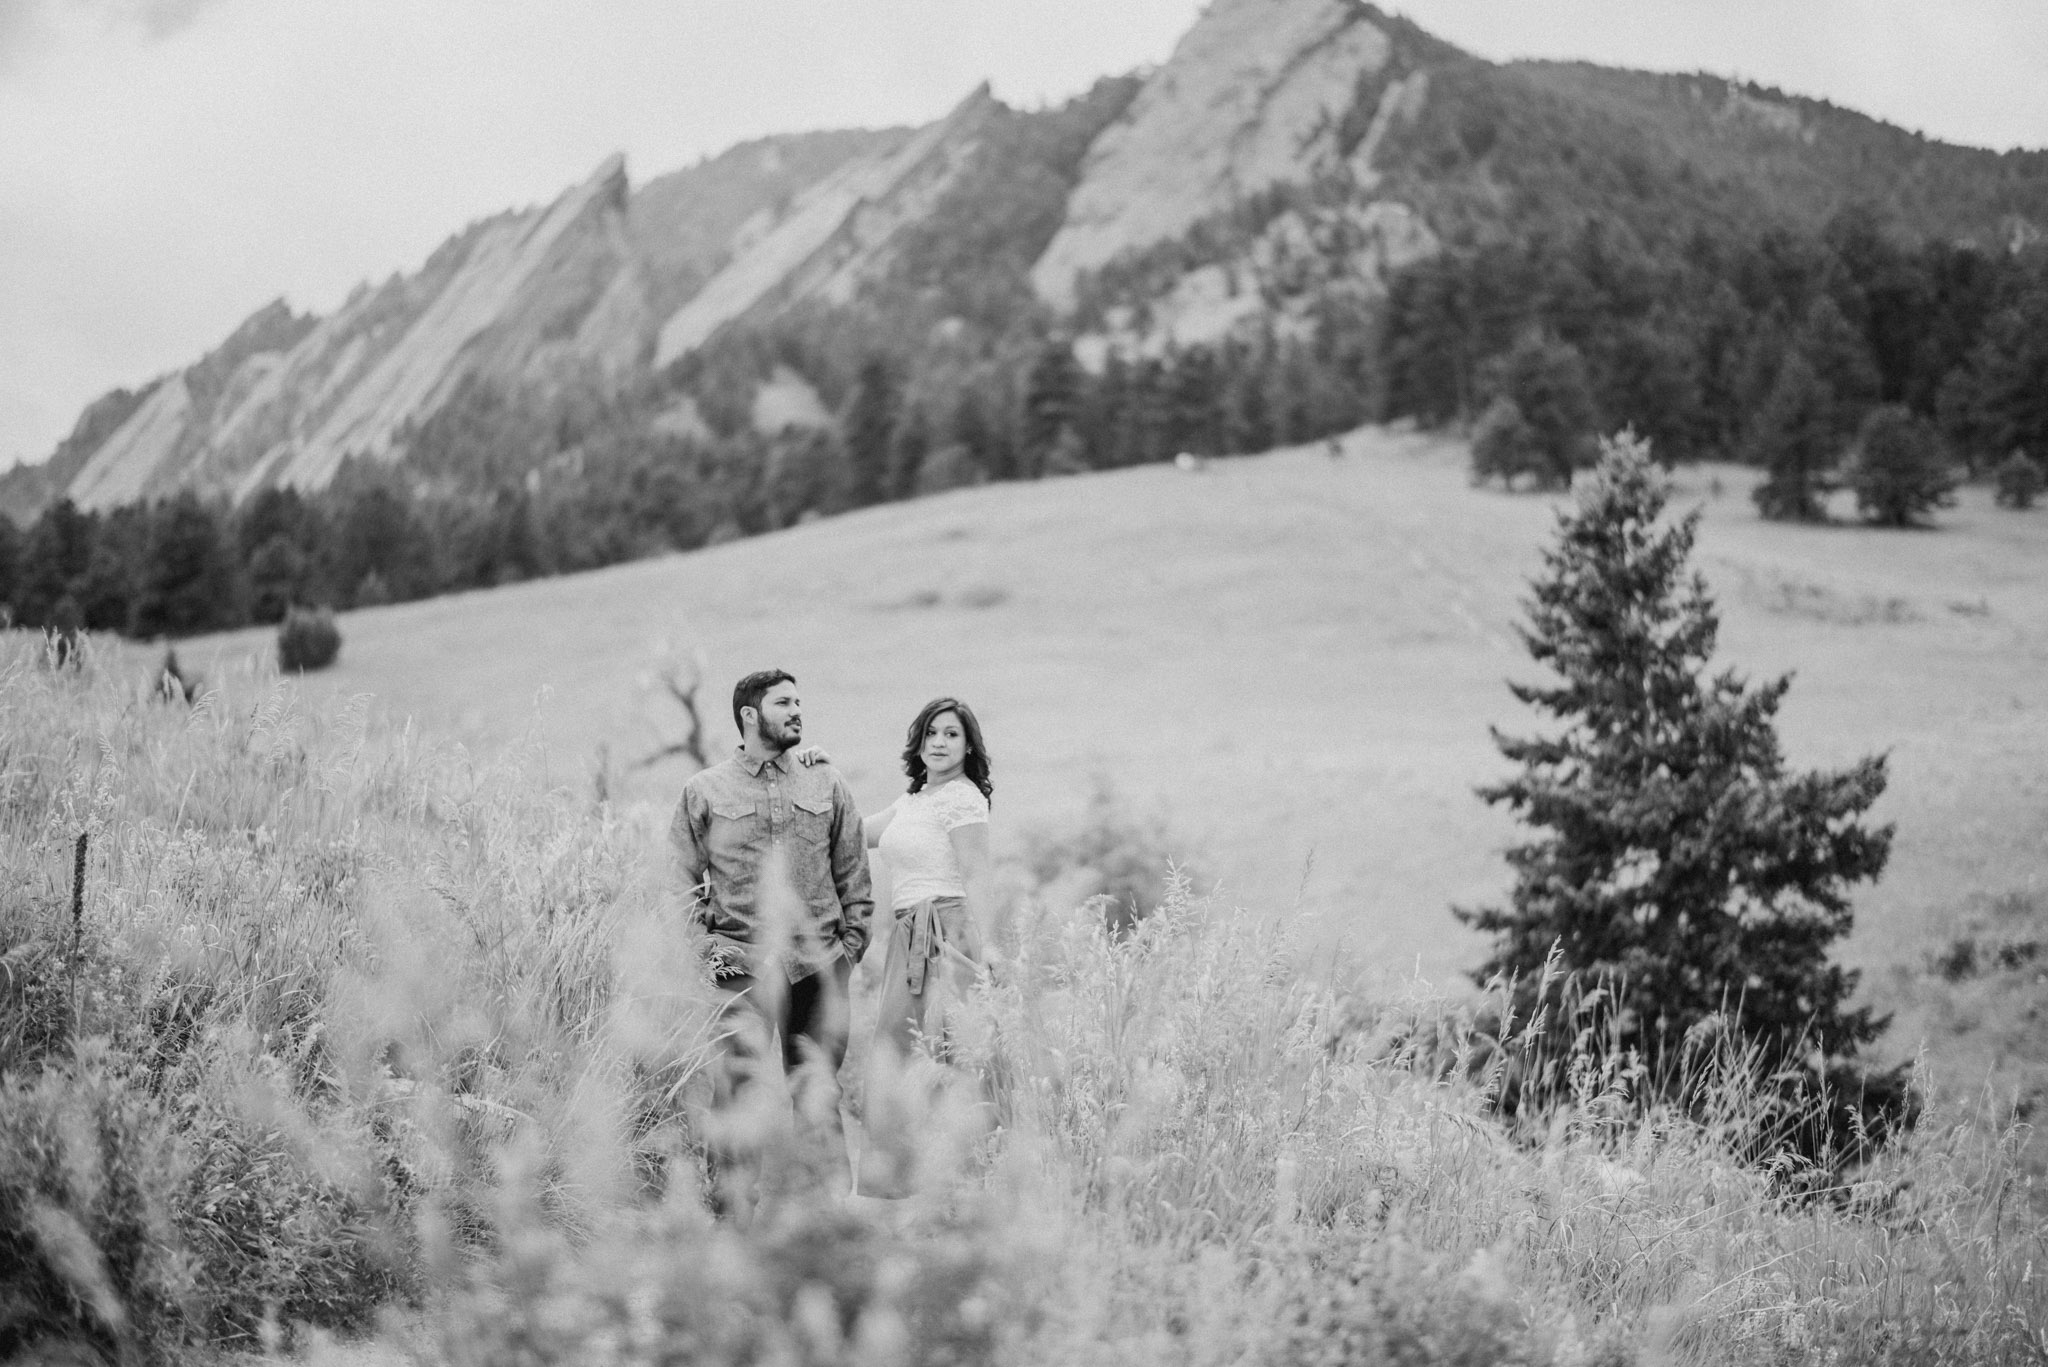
925	977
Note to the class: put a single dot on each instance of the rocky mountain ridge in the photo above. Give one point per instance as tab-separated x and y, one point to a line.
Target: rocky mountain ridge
1288	157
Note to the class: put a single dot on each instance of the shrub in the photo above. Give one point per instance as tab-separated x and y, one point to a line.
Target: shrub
88	1248
1120	860
1902	471
308	639
269	1236
2019	481
1503	445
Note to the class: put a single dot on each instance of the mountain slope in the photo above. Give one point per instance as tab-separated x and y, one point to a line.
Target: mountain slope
1288	160
572	293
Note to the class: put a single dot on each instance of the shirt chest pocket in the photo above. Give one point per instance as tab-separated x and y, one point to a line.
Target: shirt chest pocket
735	825
810	820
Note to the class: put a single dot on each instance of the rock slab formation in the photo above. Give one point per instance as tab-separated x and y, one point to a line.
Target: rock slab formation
1252	97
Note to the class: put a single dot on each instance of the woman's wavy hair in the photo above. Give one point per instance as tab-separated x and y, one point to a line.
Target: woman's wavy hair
977	753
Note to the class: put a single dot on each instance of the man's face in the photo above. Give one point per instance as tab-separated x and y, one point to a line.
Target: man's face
781	717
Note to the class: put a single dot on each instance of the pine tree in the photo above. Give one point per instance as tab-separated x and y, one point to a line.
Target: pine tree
1052	397
2009	375
1794	440
53	562
871	432
1902	470
11	546
2019	482
1503	445
188	572
1674	862
107	591
1840	356
1546	380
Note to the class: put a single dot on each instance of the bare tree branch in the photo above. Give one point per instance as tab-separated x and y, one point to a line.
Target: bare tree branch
680	679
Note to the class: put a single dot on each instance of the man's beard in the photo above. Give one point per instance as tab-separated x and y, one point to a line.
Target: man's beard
781	736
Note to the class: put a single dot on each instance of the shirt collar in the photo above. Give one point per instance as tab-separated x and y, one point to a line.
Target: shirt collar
755	766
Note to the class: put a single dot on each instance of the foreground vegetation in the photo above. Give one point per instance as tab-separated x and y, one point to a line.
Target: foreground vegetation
353	1033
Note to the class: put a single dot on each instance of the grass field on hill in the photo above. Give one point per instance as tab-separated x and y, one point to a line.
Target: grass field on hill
1293	659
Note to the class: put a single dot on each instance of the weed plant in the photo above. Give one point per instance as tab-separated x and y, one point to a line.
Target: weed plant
362	1035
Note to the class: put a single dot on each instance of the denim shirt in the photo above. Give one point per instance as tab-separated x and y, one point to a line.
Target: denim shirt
736	816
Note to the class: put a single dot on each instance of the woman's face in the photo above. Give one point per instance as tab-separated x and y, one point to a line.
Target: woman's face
945	744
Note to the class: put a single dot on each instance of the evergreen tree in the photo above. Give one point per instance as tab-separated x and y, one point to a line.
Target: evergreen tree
378	532
518	541
107	591
11	546
274	512
1650	381
1841	358
1902	471
1427	347
1052	398
188	576
1247	412
1546	380
1195	404
53	563
906	454
1794	440
973	433
2019	482
277	572
1675	863
2009	375
871	432
1503	446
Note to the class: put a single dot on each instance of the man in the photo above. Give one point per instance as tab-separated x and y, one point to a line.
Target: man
776	865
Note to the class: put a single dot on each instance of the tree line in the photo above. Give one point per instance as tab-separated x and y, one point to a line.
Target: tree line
1821	357
1817	357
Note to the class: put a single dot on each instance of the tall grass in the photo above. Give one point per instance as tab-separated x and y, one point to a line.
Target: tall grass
370	1036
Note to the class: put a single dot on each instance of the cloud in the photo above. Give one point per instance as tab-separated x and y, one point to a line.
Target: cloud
24	23
155	18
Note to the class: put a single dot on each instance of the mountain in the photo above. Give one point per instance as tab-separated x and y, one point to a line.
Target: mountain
1267	181
573	292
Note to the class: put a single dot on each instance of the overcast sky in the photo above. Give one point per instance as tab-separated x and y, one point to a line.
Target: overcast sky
167	166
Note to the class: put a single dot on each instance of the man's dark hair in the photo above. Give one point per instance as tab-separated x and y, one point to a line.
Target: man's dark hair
749	691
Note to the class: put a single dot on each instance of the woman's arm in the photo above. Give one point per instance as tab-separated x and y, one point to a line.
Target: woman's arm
970	847
877	823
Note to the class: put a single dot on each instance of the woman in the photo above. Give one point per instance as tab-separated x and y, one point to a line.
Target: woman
935	838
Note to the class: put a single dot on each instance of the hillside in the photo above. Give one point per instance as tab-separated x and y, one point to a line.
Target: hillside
1293	658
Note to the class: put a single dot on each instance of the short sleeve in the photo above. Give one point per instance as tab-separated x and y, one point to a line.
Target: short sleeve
963	805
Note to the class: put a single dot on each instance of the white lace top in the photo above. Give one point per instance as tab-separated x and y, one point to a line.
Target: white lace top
918	842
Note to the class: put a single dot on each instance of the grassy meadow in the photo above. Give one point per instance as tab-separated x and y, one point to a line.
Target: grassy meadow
374	1035
1289	660
366	1049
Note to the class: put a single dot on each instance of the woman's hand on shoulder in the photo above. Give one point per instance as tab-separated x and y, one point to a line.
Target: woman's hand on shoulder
811	756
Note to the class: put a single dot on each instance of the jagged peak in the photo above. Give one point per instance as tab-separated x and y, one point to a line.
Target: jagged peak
1249	98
